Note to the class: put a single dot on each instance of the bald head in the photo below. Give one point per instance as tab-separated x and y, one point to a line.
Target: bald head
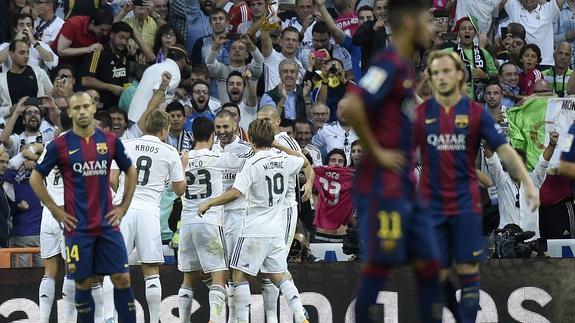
270	114
542	86
562	56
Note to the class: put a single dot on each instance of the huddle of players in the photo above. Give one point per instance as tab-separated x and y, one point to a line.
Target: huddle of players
257	223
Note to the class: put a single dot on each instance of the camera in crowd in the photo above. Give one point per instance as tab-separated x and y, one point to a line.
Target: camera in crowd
333	69
509	242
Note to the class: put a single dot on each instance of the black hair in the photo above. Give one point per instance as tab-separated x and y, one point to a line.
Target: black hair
202	129
177	52
320	27
336	151
102	17
164	29
115	109
121	26
504	64
12	46
175	106
398	9
364	8
23	16
493	81
104	118
235	73
230	104
534	48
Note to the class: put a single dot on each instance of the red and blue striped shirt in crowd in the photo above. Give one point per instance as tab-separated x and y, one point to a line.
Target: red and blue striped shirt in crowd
387	90
85	169
449	141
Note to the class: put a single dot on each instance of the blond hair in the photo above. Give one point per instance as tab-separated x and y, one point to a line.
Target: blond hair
459	65
156	121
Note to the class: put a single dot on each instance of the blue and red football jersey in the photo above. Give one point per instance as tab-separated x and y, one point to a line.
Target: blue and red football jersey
568	153
85	169
449	140
388	92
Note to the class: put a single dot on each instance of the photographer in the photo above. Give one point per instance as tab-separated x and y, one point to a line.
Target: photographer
333	85
40	54
510	193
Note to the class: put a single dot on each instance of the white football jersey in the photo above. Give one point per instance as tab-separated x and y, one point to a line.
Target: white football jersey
263	181
283	139
156	163
204	176
55	185
242	149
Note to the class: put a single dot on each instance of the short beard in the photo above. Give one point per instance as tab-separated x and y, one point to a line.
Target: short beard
197	108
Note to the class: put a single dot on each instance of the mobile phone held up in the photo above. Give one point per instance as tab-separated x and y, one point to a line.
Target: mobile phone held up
319	54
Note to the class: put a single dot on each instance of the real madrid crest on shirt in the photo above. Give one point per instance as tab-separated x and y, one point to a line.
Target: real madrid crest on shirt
101	148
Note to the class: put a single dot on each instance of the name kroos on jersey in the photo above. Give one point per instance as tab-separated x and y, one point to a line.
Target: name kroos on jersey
449	141
91	168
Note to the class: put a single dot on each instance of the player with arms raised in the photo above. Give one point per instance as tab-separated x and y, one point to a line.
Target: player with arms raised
156	162
448	132
263	181
94	244
380	110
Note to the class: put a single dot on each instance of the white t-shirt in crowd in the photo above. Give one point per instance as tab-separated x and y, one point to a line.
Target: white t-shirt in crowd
151	81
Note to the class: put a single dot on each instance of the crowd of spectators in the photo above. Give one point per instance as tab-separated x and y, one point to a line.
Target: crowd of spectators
298	57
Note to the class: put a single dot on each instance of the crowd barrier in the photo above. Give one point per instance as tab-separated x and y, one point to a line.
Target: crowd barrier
522	290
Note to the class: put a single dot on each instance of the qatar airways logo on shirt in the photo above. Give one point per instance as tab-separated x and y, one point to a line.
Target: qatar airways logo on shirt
91	168
448	141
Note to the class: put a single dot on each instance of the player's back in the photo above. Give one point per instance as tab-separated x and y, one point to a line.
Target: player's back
156	163
204	175
449	141
283	139
264	181
387	90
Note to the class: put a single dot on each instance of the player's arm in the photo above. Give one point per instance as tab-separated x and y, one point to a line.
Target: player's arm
224	198
516	169
114	179
307	169
179	187
37	184
157	99
119	211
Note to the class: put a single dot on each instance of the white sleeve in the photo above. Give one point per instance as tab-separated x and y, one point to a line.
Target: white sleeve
243	180
512	7
176	169
539	173
294	164
55	60
495	170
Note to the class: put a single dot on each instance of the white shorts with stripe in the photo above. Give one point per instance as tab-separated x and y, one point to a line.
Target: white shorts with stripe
51	236
232	227
267	255
141	230
291	214
202	247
